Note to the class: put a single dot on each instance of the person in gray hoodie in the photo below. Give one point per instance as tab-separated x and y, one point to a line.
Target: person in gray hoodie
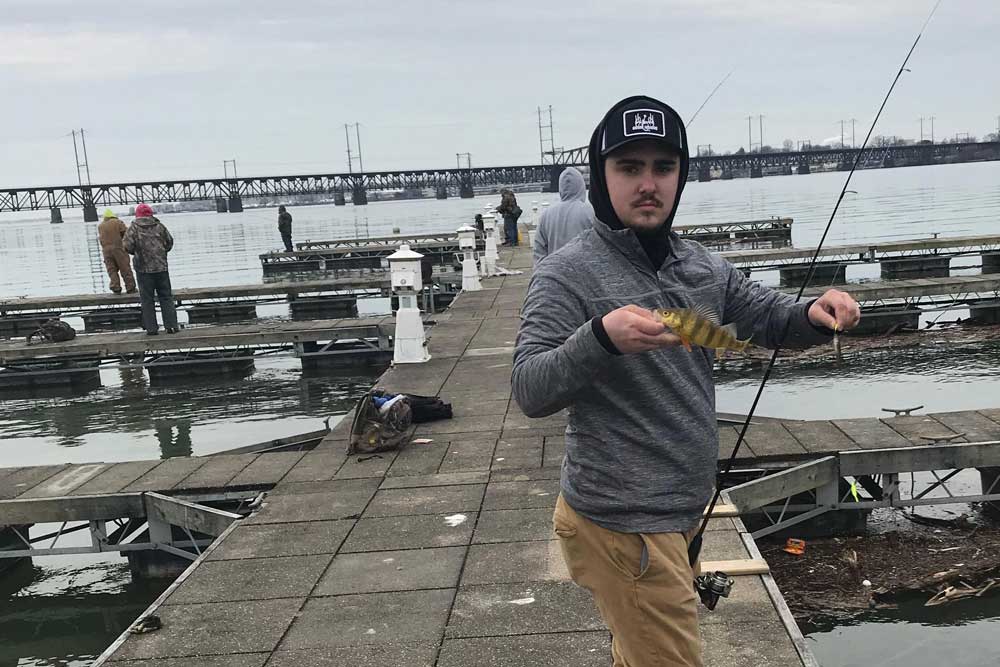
642	437
148	241
563	222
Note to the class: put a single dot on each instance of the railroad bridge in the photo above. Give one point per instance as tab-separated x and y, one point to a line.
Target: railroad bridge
229	193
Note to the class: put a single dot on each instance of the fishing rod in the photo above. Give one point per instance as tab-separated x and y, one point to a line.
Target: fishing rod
710	95
715	584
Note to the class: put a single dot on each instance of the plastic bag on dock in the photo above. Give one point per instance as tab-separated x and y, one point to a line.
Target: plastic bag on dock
379	430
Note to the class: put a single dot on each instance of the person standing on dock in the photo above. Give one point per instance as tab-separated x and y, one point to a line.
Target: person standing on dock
510	211
569	218
111	233
148	241
285	227
642	440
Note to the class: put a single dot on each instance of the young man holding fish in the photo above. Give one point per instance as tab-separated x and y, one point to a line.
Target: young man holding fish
642	440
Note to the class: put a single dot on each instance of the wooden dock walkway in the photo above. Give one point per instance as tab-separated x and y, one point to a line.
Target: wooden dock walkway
439	555
915	258
287	290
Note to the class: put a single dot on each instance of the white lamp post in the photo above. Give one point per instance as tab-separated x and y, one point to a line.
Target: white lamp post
467	244
488	261
534	212
410	344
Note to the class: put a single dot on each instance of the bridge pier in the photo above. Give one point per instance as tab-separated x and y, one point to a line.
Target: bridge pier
235	204
55	215
221	205
787	170
339	199
991	262
89	211
845	166
727	174
803	168
441	192
986	311
465	190
888	163
825	274
554	174
924	267
704	174
756	172
359	196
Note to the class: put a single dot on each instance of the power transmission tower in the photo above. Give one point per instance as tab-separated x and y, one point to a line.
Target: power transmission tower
542	139
76	154
350	156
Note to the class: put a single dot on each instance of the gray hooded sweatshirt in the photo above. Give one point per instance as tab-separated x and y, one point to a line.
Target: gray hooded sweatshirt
642	440
563	222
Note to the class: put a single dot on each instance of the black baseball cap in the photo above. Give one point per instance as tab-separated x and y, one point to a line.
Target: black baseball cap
636	119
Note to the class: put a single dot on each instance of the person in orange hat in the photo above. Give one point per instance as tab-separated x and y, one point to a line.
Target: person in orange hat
148	241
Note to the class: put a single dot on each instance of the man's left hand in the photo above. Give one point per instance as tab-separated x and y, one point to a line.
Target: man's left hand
835	310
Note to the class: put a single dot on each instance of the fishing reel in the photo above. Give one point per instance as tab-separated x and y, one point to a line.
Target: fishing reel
711	586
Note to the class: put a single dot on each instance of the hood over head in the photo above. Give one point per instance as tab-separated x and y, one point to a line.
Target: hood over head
571	185
633	119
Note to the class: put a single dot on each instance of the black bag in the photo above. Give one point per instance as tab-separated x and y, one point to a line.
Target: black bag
516	212
428	408
374	431
54	331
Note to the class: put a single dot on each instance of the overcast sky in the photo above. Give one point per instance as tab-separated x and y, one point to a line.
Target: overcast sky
171	88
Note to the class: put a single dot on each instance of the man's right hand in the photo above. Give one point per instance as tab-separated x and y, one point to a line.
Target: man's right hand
634	329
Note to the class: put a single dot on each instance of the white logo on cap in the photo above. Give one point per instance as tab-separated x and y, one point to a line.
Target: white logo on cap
643	121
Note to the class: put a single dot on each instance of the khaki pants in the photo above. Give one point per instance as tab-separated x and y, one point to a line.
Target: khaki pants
643	586
117	261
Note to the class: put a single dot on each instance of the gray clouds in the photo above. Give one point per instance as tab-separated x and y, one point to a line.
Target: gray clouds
172	89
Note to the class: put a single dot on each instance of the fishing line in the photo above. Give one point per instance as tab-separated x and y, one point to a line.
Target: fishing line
719	85
695	545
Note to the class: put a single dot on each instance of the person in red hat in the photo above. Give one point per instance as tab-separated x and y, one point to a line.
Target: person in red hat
148	241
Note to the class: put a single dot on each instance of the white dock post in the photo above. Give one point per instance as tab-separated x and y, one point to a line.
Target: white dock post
467	243
409	344
488	261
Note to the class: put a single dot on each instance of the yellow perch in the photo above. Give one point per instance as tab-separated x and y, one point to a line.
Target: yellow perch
701	327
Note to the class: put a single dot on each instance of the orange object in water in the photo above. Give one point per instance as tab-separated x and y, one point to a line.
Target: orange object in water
795	546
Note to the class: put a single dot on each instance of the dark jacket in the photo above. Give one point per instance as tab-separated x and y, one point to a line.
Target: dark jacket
285	222
149	242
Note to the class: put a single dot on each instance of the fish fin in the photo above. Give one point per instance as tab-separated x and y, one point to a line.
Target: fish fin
686	343
731	330
706	312
720	353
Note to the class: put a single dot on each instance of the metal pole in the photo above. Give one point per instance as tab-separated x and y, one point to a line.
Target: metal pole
841	133
225	169
541	145
350	160
921	128
749	135
853	145
357	132
932	131
552	136
76	160
86	160
761	137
